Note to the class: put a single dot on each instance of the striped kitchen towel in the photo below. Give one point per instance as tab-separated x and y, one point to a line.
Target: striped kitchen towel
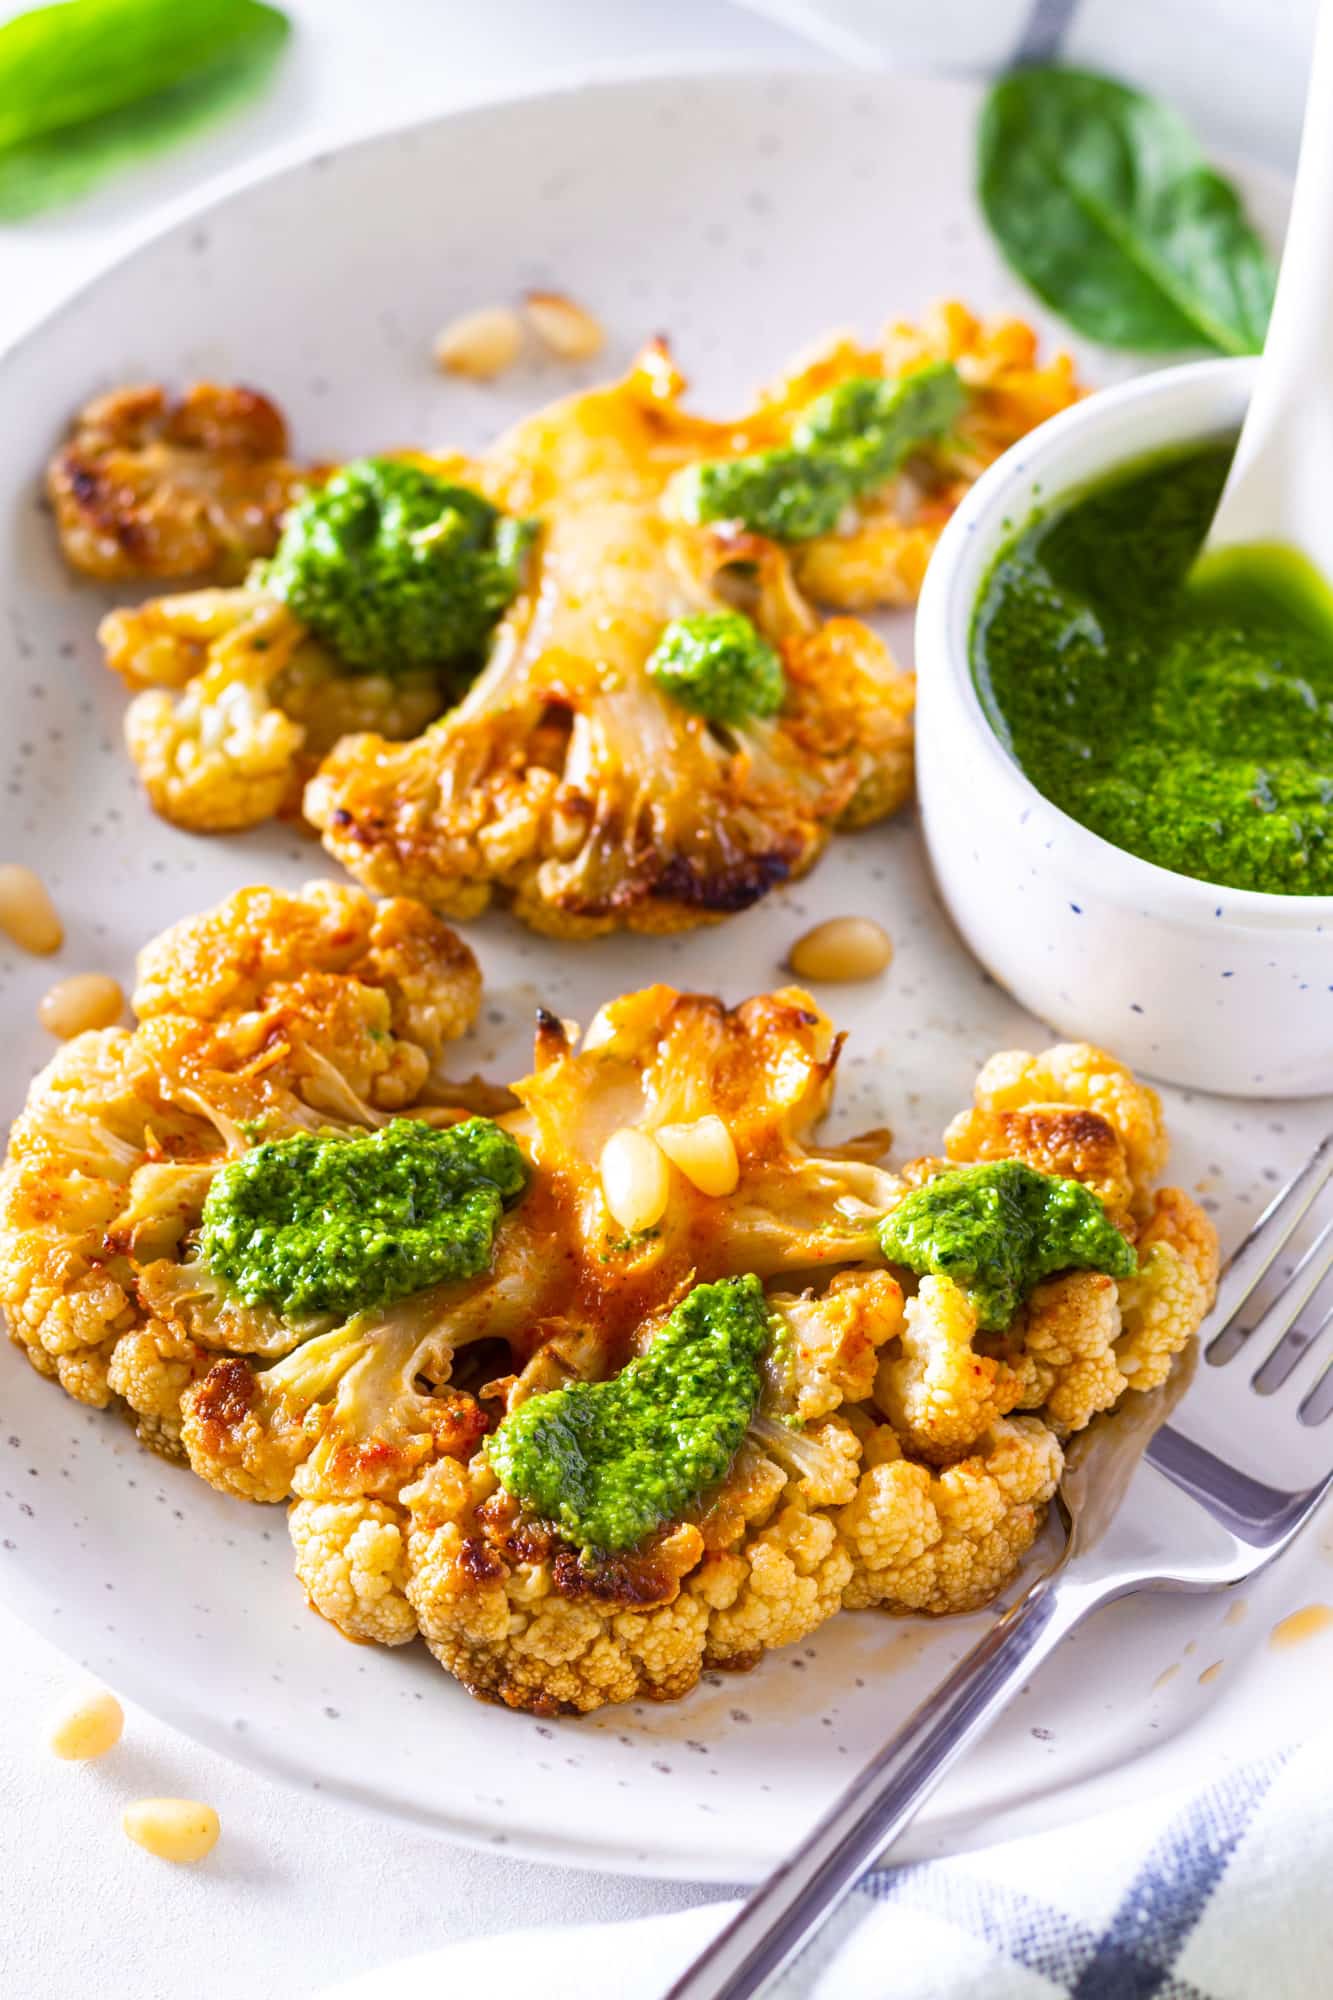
1223	1894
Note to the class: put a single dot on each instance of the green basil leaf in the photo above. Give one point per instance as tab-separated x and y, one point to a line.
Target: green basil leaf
65	165
61	65
1101	201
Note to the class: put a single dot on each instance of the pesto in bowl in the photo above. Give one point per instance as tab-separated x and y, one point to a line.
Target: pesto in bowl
1192	729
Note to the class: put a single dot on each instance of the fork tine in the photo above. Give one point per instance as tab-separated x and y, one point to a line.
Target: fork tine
1274	1228
1282	1315
1317	1403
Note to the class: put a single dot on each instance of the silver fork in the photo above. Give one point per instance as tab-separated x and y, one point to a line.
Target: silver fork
1206	1513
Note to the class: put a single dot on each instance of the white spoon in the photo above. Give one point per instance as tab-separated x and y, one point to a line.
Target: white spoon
1278	499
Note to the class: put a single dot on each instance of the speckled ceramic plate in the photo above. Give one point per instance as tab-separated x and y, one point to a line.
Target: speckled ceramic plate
744	215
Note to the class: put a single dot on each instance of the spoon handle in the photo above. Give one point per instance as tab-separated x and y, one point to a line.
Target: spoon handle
786	1909
1277	490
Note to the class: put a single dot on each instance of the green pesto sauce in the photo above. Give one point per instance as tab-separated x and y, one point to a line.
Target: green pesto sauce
396	570
1190	726
851	439
321	1224
997	1229
717	664
609	1462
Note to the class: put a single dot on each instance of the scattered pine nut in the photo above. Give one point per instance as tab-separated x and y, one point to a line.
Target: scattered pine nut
480	344
636	1184
568	330
844	948
88	1727
705	1153
27	914
85	1000
172	1829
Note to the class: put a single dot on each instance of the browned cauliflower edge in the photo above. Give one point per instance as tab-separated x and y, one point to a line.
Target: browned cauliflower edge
148	488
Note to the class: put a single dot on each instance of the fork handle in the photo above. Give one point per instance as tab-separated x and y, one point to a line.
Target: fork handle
787	1908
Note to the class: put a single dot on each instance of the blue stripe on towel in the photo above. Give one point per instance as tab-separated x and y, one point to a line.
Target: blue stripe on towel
1134	1957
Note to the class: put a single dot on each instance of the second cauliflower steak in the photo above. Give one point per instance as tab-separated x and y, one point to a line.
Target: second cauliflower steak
857	1436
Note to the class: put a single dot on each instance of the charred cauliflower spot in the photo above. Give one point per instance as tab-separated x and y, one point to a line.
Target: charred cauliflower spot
572	782
146	487
286	1014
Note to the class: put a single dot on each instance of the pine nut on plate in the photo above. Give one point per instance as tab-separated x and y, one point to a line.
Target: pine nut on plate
636	1183
843	948
481	344
87	1727
84	1000
705	1153
172	1829
567	329
27	914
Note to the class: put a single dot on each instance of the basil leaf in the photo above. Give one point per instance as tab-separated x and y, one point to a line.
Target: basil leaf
92	85
1101	201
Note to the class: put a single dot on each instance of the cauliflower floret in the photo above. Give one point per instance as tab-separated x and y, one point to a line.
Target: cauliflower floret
1065	1336
524	1623
1160	1311
351	1559
779	1586
1176	1220
566	782
938	1393
516	1616
238	704
274	1007
951	1540
145	487
835	1338
1060	1139
150	1369
878	554
1075	1073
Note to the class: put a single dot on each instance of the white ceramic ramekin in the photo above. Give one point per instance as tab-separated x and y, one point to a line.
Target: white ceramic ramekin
1221	989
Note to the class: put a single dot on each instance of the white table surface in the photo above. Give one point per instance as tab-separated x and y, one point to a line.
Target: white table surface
297	1893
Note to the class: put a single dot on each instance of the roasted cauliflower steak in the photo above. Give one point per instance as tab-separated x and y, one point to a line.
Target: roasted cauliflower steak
891	1453
569	782
565	783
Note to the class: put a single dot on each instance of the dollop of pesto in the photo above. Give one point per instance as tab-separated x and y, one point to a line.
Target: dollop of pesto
717	664
850	440
608	1462
1192	729
997	1229
321	1224
396	570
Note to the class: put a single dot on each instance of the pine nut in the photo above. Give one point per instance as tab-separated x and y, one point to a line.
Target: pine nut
635	1181
85	1000
567	329
172	1829
88	1728
844	948
481	344
27	914
705	1153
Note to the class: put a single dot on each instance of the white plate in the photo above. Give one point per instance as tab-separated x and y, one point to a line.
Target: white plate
744	215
